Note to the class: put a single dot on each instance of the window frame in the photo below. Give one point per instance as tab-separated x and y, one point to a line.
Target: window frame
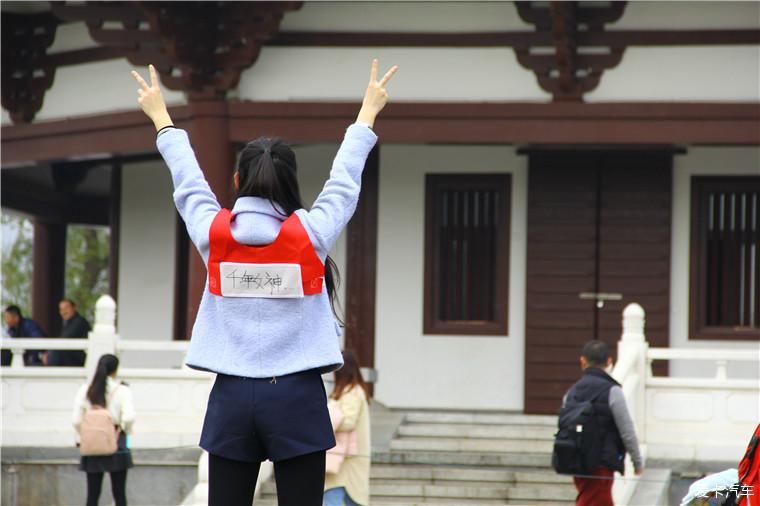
434	183
698	329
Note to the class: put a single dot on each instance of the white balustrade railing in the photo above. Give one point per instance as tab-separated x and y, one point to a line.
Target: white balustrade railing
38	401
629	371
682	417
102	339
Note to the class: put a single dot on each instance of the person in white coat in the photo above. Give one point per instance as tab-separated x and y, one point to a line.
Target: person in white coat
106	391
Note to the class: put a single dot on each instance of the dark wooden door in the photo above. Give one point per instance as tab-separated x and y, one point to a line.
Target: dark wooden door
598	223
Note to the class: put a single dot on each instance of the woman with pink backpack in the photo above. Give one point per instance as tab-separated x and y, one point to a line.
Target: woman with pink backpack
103	416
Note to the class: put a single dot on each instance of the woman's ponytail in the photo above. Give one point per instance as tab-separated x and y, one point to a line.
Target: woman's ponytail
96	393
267	169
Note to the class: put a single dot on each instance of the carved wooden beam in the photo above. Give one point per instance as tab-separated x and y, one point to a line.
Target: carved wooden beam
567	69
26	72
197	47
563	32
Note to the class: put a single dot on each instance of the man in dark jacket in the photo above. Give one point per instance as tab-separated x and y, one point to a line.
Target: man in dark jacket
18	326
616	430
74	326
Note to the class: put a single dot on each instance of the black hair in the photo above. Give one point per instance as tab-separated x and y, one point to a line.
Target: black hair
267	169
596	353
107	365
349	376
73	304
15	310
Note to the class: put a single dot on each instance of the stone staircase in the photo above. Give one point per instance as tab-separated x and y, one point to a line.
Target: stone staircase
467	459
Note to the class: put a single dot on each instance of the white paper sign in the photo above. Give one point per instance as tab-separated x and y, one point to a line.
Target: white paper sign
261	280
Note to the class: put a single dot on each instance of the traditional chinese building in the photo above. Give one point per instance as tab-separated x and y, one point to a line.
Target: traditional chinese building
541	166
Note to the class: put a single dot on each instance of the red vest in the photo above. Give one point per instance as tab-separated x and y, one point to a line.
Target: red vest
292	246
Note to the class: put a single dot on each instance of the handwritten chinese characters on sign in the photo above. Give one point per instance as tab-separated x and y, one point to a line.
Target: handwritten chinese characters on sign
261	280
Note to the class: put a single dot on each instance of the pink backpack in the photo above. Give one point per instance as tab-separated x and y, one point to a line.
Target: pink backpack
98	434
346	443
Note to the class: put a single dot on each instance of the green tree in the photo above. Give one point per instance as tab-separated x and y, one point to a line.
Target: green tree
87	273
18	238
87	257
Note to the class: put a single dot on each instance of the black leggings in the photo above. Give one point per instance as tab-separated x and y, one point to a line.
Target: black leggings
118	488
300	481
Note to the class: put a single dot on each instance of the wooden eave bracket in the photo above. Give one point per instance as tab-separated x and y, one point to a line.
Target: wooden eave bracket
26	72
567	70
200	48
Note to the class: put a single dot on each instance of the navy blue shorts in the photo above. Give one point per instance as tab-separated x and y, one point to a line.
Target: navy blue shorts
255	419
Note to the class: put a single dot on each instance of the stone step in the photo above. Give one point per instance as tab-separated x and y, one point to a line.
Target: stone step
449	473
402	501
476	431
461	458
458	489
476	491
543	493
554	490
480	418
448	489
543	477
432	474
471	445
406	501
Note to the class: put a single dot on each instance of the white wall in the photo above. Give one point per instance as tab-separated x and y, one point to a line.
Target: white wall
683	74
724	161
471	372
360	16
657	15
652	73
425	74
146	253
95	88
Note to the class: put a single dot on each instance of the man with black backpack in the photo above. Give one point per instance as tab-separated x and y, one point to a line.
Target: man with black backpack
595	430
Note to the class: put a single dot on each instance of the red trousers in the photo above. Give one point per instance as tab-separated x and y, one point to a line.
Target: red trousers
595	491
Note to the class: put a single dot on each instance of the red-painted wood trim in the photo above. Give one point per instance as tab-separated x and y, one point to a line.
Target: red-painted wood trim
516	38
115	228
49	264
361	266
126	133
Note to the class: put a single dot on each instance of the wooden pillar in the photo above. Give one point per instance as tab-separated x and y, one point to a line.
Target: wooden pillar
361	266
48	269
209	134
115	227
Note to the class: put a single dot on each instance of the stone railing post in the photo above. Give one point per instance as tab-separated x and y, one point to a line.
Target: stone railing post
633	342
102	338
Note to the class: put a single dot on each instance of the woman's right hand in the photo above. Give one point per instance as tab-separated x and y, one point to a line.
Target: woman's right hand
376	95
151	100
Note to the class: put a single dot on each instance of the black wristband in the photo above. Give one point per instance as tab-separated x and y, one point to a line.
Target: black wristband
162	129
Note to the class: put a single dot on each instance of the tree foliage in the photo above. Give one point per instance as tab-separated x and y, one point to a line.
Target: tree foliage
87	275
87	257
18	236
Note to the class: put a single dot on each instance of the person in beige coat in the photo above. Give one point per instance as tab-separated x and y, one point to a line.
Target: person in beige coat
350	485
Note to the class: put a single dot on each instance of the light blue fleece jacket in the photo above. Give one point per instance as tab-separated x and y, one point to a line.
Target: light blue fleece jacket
260	337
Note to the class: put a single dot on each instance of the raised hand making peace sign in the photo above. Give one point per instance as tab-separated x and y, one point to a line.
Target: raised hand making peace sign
151	100
376	95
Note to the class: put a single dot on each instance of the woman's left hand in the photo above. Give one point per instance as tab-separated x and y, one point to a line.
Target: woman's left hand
151	100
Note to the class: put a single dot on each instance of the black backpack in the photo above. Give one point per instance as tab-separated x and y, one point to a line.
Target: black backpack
578	442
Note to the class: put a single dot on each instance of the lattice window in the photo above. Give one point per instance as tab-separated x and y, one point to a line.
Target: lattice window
726	258
467	254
